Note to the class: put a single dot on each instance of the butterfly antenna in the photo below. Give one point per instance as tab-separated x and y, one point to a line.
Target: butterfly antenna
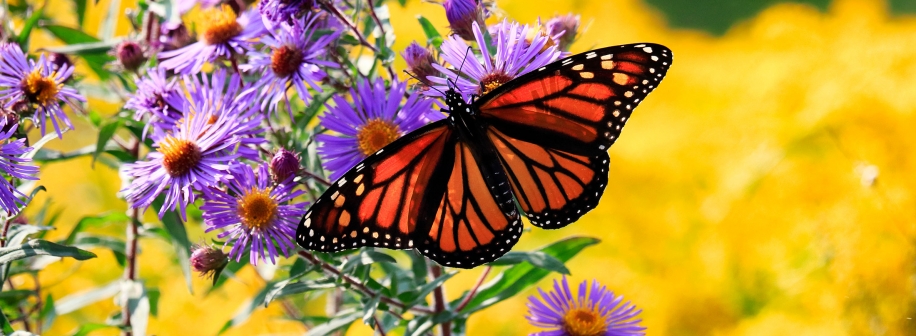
427	83
466	52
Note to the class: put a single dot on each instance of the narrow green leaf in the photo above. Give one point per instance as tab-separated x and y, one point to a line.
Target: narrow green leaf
72	302
153	295
41	143
80	11
341	320
369	309
96	222
519	277
110	22
5	325
227	272
286	287
87	328
84	49
403	3
18	233
422	325
432	35
115	245
15	295
366	257
47	314
23	38
176	230
138	303
536	258
37	247
105	134
415	298
90	48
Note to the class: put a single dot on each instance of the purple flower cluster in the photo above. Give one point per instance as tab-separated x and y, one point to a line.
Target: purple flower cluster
594	311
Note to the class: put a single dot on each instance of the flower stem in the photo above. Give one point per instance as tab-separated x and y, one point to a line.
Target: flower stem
316	177
130	272
439	298
330	7
359	286
467	299
381	29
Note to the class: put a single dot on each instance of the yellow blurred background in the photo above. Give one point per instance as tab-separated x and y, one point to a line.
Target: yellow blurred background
766	188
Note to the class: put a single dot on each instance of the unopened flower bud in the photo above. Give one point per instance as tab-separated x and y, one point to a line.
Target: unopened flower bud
462	14
130	55
59	61
208	260
563	29
284	164
419	62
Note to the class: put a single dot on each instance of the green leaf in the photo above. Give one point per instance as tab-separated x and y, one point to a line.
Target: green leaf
138	304
422	325
176	230
227	272
536	258
47	314
418	266
87	328
105	134
403	3
96	222
90	48
432	35
367	257
416	297
73	302
41	143
116	245
519	277
80	11
343	319
23	38
286	287
18	233
5	325
153	295
369	309
37	247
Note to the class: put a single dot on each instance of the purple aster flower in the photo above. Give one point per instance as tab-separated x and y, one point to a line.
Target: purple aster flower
12	164
191	156
274	12
563	29
514	57
157	99
254	213
221	34
293	62
462	14
375	119
225	98
40	83
594	311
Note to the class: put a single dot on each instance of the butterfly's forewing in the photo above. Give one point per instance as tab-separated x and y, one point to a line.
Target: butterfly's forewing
376	202
552	126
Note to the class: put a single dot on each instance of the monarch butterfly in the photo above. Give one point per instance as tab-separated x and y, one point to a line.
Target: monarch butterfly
453	189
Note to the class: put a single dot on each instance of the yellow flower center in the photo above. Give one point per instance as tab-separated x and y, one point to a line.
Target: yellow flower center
285	60
492	81
40	89
179	155
377	133
218	25
257	209
584	322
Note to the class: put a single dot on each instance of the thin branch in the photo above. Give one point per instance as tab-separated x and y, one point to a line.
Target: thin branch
133	236
467	299
359	286
330	7
381	29
316	177
439	298
378	325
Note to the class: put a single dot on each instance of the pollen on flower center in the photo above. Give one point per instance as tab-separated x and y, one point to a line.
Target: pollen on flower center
492	81
377	133
584	322
179	156
219	25
257	209
40	89
285	60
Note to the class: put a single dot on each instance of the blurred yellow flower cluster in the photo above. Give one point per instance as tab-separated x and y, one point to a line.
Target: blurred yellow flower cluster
767	187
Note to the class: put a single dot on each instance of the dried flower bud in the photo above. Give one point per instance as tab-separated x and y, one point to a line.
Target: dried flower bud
461	15
174	37
419	62
60	60
284	164
563	29
208	260
130	55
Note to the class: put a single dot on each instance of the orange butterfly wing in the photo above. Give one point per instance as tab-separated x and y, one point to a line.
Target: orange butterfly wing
553	130
429	191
